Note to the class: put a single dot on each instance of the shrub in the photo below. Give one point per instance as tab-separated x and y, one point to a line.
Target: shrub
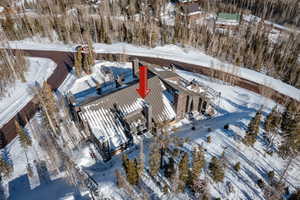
270	153
271	174
208	139
226	127
260	183
165	189
217	170
237	166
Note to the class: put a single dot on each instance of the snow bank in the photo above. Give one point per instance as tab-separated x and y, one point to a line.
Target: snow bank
18	94
173	52
37	43
193	56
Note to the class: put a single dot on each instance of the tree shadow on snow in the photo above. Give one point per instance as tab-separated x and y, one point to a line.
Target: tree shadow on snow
20	189
241	107
6	155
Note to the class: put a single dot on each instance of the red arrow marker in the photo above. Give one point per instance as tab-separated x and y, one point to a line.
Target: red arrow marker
143	90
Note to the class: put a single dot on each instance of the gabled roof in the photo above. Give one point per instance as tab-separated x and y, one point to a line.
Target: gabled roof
126	97
107	126
190	8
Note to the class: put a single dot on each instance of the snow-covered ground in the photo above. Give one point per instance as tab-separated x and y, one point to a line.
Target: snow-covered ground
235	107
21	186
173	52
37	43
98	76
253	18
18	94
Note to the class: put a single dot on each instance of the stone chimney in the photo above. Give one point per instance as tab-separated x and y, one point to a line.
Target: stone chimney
148	115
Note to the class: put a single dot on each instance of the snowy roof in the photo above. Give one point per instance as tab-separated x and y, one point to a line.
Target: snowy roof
127	97
190	8
103	78
100	75
161	72
105	123
177	82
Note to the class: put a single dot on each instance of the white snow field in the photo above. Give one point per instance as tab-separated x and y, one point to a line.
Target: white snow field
18	94
172	52
235	107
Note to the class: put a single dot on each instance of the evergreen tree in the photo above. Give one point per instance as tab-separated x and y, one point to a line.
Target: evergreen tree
271	175
49	106
5	168
252	130
269	124
184	168
125	162
78	63
91	59
170	168
289	115
24	139
154	160
198	162
217	170
85	65
291	143
132	169
132	173
237	166
8	26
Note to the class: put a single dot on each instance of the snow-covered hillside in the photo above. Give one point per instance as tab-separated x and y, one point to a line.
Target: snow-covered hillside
18	94
236	106
172	52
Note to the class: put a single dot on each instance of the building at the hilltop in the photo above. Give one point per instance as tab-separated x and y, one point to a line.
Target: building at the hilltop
111	112
227	21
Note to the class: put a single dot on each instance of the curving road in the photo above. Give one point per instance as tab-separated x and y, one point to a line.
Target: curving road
65	61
